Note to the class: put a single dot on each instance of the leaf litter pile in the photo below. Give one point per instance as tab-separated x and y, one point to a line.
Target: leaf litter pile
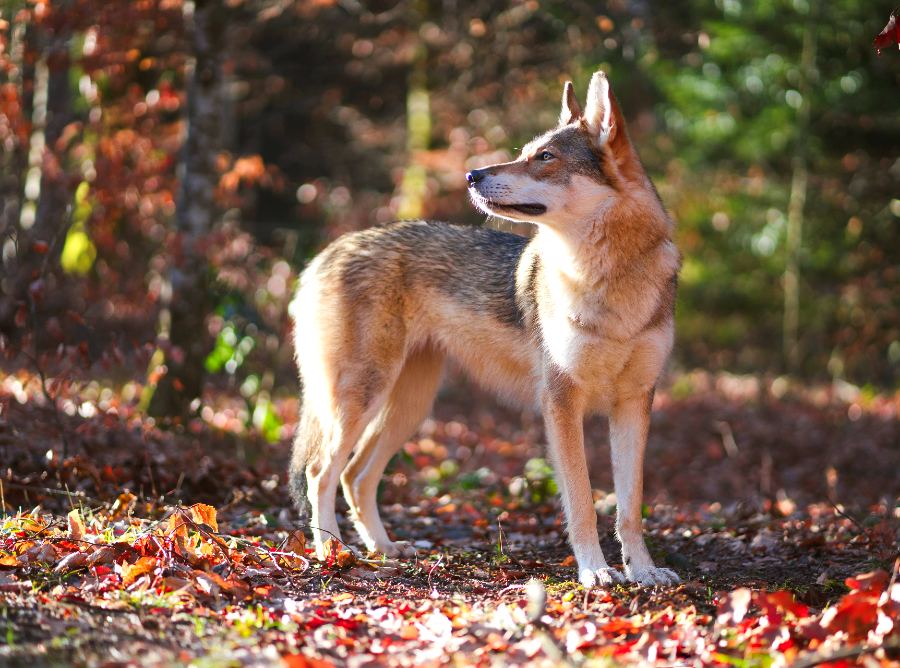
123	543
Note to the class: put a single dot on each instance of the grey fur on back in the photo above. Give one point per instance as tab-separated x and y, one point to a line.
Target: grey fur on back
475	265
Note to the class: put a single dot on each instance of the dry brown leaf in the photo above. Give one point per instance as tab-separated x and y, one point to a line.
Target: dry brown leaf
124	503
103	555
41	553
174	583
345	559
8	560
177	526
131	572
208	583
70	562
76	525
296	542
23	546
204	514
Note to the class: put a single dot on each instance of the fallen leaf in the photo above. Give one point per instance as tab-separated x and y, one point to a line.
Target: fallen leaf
734	607
345	559
873	581
70	562
122	506
76	525
204	514
131	572
100	556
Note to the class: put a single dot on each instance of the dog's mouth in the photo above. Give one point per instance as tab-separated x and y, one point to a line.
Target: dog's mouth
489	205
527	209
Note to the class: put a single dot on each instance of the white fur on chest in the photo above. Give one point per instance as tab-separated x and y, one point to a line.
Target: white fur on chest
565	342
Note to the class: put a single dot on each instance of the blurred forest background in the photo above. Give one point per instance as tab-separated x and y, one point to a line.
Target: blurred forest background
169	166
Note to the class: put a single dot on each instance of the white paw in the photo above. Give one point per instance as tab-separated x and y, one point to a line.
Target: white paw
393	549
600	577
650	575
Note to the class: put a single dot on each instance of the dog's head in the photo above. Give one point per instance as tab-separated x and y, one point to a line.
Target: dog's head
571	171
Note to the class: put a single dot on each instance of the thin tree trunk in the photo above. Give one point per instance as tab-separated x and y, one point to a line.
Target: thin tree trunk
183	319
418	126
196	206
51	218
43	212
14	160
14	164
797	202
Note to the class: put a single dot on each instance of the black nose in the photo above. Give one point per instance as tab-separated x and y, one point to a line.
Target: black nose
474	176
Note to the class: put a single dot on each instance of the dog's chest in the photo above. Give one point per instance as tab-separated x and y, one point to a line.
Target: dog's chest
585	352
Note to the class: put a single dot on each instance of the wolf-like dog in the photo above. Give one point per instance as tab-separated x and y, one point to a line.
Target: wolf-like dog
575	321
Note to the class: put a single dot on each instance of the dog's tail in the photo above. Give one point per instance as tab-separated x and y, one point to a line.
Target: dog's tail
307	444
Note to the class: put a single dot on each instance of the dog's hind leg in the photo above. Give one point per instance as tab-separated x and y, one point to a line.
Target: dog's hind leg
339	435
408	404
350	344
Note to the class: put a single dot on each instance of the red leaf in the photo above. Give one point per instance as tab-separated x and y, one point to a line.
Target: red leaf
735	606
890	34
101	571
301	661
855	614
782	600
36	289
874	581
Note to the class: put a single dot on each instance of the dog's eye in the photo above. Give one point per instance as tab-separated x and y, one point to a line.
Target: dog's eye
545	155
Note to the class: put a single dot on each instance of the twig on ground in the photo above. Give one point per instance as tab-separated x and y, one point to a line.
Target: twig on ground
840	511
851	652
57	492
431	571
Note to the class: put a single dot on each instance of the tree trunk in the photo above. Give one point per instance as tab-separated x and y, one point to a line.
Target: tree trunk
43	212
13	166
797	202
183	321
51	219
418	126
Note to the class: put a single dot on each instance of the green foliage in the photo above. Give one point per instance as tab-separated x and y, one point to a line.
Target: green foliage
727	107
537	485
79	252
236	340
229	351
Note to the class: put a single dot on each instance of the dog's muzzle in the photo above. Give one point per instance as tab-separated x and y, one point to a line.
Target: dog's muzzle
475	176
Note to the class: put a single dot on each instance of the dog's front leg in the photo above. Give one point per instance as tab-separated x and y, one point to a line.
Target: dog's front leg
564	421
629	423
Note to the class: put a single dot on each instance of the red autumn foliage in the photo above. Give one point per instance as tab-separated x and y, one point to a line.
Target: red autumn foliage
889	35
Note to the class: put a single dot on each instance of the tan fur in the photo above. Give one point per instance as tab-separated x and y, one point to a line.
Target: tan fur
578	320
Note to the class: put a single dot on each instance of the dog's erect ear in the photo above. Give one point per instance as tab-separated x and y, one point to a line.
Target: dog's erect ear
571	110
598	115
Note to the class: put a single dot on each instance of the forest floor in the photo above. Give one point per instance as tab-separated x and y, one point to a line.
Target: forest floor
126	543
